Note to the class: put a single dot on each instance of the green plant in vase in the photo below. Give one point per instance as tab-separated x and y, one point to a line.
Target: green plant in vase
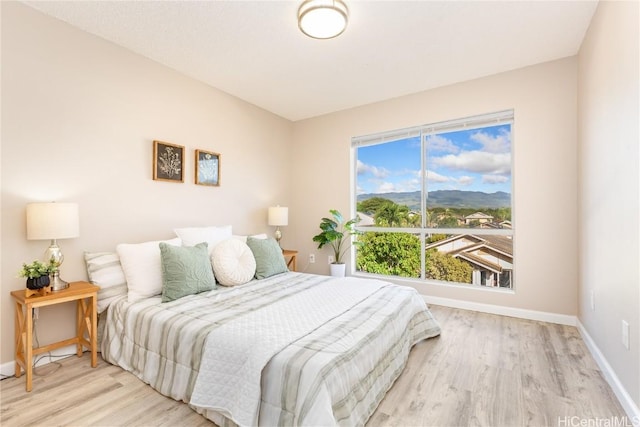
337	233
37	273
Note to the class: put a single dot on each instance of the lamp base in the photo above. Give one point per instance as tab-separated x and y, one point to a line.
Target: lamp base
57	284
278	235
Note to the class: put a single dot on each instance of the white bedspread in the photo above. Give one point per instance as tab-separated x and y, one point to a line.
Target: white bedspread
293	349
230	374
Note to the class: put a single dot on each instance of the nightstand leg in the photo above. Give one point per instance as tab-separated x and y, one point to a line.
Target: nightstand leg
94	331
80	322
28	359
19	338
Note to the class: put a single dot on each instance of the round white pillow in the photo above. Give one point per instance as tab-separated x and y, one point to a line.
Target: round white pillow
233	262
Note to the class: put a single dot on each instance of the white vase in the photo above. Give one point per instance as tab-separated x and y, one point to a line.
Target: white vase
338	270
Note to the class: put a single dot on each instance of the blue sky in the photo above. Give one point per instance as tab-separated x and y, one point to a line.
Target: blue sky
472	160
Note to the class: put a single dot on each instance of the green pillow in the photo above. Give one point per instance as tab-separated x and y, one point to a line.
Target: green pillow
186	270
268	255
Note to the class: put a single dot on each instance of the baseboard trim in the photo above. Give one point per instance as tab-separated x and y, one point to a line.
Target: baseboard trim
9	369
629	406
562	319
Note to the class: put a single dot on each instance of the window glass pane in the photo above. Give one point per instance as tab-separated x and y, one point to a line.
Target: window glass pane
390	254
388	182
485	260
469	178
435	201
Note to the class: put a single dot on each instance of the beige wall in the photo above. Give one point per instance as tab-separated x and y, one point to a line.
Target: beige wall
79	116
609	255
544	138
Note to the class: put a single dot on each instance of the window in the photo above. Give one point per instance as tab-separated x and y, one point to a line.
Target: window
435	201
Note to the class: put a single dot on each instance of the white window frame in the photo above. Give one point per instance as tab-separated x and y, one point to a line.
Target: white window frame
475	122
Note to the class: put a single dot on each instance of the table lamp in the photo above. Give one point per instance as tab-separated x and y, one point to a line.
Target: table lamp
278	216
53	221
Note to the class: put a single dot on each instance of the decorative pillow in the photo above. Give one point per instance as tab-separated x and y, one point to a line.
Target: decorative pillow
142	268
268	255
255	236
233	262
104	270
186	270
210	235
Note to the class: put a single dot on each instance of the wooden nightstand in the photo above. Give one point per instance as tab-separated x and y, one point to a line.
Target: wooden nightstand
293	256
86	296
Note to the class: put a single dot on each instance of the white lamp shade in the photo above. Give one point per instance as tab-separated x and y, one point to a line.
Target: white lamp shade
278	216
52	221
323	19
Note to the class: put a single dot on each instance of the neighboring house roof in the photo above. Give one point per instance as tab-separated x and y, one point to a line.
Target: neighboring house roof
503	244
478	215
471	247
482	262
490	225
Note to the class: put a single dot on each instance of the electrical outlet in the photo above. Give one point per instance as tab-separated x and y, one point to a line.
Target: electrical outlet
625	334
36	313
592	297
330	259
312	258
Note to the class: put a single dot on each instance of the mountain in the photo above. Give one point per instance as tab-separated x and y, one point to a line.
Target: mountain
447	199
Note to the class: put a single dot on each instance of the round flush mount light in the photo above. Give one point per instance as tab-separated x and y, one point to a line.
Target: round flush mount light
323	19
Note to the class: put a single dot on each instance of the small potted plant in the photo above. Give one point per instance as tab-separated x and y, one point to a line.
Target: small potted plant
337	233
37	273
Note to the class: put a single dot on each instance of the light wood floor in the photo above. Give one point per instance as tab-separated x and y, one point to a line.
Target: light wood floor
484	370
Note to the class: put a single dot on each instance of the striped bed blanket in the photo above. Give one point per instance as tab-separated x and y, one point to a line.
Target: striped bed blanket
293	349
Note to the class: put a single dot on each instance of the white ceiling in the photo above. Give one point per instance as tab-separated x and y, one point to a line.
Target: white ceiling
255	51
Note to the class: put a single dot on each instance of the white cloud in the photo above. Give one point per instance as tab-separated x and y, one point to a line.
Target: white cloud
363	168
386	187
500	143
476	162
465	180
494	179
441	144
408	185
436	177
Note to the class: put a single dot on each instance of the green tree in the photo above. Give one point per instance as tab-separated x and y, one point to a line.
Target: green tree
441	266
395	254
414	220
391	215
449	221
435	238
371	206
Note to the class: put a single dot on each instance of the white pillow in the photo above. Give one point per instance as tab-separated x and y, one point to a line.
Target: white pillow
255	236
142	267
233	262
191	236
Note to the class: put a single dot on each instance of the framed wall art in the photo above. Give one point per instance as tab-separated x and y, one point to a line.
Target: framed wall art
168	162
207	168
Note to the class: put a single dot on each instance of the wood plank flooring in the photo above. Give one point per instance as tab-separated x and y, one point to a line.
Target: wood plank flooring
484	370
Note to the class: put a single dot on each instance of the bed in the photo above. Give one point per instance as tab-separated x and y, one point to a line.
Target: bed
288	349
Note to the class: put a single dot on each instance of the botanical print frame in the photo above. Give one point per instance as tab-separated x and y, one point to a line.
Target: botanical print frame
207	168
168	162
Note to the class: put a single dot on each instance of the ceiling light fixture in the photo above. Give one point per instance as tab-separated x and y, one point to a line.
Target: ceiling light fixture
323	19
